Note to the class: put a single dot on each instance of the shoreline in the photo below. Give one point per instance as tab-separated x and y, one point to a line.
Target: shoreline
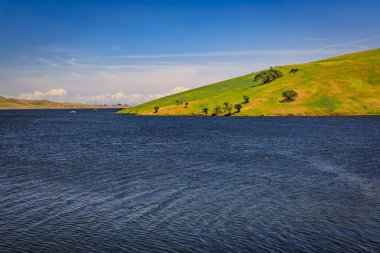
254	116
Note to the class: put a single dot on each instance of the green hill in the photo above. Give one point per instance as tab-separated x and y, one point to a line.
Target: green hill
13	103
344	85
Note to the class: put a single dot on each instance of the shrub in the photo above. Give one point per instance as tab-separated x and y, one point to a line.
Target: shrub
156	109
205	110
186	104
289	96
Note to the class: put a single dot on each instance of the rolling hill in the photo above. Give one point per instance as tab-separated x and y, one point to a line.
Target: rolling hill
343	85
13	103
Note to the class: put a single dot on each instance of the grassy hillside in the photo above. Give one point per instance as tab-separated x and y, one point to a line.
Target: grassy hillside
344	85
12	103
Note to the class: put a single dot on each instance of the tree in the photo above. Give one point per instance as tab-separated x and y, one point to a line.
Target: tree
226	106
186	104
289	96
246	99
156	109
228	109
178	102
267	76
293	71
217	110
238	107
205	110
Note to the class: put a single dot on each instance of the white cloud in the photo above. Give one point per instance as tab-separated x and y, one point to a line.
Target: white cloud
56	92
175	90
107	98
242	53
53	93
347	43
31	96
326	50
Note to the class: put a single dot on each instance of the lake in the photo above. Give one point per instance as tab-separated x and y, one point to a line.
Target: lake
101	182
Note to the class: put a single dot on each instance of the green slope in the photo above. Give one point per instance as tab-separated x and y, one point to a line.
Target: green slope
344	85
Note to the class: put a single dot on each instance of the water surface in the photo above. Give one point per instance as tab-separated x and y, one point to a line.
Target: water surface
102	182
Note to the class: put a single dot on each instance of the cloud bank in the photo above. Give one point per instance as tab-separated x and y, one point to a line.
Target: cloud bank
100	99
123	98
52	93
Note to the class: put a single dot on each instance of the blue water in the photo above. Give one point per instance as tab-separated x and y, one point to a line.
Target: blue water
101	182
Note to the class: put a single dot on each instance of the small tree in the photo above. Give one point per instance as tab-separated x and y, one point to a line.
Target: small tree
178	102
186	104
226	105
228	109
289	96
293	71
205	110
156	109
217	110
238	107
246	99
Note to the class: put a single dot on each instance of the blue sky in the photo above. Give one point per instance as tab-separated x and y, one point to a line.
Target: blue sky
133	51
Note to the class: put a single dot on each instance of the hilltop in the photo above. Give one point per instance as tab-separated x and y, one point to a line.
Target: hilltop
13	103
343	85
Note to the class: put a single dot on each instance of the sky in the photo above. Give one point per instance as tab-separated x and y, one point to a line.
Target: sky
107	52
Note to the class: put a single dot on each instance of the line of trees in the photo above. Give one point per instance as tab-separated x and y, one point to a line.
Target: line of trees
179	102
227	108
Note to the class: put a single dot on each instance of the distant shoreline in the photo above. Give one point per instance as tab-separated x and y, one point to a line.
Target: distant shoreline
8	103
67	108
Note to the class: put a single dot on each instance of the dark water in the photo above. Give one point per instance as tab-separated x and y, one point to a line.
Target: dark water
101	182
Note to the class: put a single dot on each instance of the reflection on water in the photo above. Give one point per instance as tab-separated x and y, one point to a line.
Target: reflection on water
97	181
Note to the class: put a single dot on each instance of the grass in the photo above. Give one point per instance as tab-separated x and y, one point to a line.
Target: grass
344	85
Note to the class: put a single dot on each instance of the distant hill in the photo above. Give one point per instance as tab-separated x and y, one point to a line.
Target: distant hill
13	103
344	85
